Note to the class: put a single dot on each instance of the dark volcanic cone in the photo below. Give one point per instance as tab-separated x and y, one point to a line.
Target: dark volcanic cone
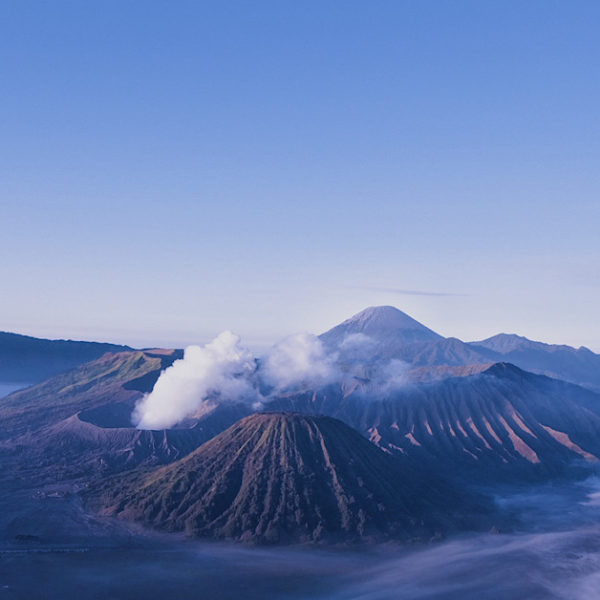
290	478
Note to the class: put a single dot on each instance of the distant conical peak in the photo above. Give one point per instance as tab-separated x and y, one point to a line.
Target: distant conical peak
376	321
507	336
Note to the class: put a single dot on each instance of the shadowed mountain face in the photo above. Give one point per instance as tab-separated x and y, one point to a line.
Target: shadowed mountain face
291	478
496	424
29	359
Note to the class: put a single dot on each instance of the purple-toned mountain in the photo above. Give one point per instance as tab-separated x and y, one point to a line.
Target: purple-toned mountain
490	423
91	444
385	332
285	478
388	326
451	411
577	365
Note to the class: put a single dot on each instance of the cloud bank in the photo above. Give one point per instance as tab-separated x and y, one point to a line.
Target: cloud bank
226	371
299	360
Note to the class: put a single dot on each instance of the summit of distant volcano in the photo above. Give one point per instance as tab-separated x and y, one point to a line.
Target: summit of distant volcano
383	324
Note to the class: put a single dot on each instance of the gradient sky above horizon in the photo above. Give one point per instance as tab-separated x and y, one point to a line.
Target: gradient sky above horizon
173	169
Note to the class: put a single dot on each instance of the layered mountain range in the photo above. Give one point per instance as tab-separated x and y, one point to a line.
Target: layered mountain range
497	423
346	459
396	335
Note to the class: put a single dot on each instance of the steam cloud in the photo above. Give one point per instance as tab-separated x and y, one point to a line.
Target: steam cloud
225	371
299	359
221	368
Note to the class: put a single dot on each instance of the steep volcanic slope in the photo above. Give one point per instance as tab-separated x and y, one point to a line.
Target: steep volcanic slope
30	359
577	365
78	424
288	478
498	423
113	378
82	448
386	324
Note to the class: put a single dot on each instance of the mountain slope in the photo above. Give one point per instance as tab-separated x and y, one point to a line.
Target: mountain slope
383	333
111	379
290	478
77	425
448	352
91	445
577	365
384	324
29	359
499	423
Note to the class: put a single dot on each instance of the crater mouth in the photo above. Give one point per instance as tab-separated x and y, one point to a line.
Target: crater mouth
110	416
118	416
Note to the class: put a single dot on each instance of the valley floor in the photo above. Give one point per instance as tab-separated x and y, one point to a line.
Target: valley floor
50	549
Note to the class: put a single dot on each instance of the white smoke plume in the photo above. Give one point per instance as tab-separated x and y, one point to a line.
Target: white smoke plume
221	368
299	360
225	371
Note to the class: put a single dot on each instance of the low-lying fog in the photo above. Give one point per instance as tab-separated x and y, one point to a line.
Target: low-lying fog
556	556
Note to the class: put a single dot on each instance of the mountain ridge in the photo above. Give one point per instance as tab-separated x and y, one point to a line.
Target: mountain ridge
576	365
392	334
494	423
28	359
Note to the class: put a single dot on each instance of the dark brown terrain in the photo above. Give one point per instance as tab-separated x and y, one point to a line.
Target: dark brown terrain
282	478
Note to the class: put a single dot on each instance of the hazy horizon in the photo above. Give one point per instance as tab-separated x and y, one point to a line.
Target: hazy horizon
170	340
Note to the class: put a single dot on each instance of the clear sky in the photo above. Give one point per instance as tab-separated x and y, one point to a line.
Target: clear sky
172	169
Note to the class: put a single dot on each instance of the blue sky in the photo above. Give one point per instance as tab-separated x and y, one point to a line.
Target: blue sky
173	169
